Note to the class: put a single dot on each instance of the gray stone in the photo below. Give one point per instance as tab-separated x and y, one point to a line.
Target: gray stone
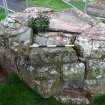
54	38
37	10
67	21
72	91
97	8
73	71
96	76
91	42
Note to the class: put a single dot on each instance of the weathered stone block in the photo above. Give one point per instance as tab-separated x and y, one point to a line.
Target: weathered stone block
96	76
91	43
54	38
73	71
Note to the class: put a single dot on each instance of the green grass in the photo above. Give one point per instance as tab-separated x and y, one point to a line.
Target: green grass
54	4
79	4
57	4
2	14
15	92
99	100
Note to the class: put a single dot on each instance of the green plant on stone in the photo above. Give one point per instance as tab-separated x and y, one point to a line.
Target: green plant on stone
39	24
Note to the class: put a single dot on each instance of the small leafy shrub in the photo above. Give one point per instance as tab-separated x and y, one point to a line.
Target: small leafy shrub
39	24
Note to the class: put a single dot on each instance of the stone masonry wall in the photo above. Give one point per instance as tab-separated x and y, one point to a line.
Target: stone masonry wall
68	74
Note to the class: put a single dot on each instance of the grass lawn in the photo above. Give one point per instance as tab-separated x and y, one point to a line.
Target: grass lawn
57	4
54	4
15	92
79	4
2	14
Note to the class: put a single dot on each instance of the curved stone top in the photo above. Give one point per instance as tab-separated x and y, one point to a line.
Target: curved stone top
12	29
71	20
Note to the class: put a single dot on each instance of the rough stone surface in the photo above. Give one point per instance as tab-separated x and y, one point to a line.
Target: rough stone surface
57	38
97	8
96	76
101	3
75	71
68	74
92	41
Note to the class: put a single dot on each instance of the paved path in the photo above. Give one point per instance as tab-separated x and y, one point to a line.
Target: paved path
16	5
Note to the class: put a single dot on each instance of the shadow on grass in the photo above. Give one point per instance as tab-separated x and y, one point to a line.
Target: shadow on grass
15	92
100	100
